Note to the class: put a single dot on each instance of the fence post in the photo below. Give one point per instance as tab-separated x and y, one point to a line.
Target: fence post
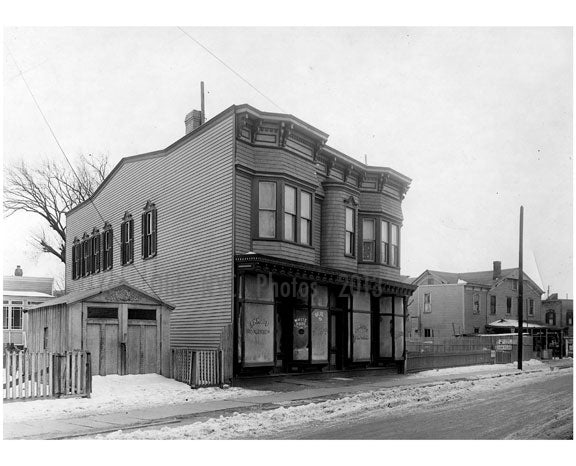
194	378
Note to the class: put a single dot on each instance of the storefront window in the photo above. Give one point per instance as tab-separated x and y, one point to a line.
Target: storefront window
361	326
258	334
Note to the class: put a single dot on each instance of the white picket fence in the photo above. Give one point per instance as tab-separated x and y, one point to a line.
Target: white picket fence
37	375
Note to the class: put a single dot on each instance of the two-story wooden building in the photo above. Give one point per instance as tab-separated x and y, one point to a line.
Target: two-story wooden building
266	242
448	304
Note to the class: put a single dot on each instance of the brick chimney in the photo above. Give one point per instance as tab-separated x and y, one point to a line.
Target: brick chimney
497	270
193	120
18	272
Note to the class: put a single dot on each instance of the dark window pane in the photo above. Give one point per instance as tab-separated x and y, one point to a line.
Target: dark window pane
142	314
102	313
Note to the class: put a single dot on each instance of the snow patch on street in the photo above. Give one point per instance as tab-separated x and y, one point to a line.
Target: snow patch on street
479	369
114	393
400	400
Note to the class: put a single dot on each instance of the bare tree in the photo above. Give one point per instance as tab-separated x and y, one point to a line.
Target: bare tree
50	190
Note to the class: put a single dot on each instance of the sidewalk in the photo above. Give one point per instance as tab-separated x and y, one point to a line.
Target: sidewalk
299	389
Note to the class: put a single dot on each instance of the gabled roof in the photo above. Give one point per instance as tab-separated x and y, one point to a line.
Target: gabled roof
484	278
25	284
84	295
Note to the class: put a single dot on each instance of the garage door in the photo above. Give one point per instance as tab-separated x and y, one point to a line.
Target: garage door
102	340
142	344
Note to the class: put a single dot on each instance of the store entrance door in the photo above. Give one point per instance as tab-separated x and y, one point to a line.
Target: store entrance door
337	342
283	337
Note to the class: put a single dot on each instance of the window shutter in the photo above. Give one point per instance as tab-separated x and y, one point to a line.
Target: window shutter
131	245
111	248
144	234
154	225
123	243
74	262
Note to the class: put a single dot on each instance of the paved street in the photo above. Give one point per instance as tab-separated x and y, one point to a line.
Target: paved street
542	410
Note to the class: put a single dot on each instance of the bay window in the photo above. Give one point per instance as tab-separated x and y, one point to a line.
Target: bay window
368	240
267	209
384	242
305	218
289	213
394	254
284	212
350	231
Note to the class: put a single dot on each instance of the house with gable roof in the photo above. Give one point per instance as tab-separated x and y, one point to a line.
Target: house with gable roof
448	304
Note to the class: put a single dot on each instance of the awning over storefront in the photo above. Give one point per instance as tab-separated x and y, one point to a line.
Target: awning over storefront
323	275
513	323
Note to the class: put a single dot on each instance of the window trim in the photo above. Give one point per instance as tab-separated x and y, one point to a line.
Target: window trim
280	212
381	251
149	231
493	305
429	303
352	252
96	250
475	300
508	305
127	242
285	214
107	240
372	241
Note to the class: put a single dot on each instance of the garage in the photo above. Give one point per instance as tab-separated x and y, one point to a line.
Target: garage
125	330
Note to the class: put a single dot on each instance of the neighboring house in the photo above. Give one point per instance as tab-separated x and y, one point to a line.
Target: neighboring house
448	304
559	312
20	293
268	243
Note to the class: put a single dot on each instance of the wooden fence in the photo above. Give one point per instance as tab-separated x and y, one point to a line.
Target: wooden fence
32	376
465	351
198	368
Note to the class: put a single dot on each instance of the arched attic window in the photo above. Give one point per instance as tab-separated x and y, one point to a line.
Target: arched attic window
127	239
149	230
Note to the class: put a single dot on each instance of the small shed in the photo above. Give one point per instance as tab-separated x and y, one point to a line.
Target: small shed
126	330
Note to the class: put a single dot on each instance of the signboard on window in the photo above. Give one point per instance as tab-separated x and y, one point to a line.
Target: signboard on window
300	335
258	334
361	336
319	335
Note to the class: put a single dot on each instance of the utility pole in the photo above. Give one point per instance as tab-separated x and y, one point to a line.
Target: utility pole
202	109
520	291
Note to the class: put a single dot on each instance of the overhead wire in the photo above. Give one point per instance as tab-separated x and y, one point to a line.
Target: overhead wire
232	70
70	164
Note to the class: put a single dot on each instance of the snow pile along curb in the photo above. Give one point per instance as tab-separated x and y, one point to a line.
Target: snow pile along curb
380	402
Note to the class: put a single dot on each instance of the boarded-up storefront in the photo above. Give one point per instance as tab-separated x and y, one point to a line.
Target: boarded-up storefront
125	330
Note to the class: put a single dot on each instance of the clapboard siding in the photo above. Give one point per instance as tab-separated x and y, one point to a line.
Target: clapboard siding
317	231
276	161
285	250
191	186
376	202
379	271
243	213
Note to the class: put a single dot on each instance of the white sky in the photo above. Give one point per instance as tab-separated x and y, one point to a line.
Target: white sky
479	118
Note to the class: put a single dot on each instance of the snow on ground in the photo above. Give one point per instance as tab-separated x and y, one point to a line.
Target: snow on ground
480	369
114	393
400	400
